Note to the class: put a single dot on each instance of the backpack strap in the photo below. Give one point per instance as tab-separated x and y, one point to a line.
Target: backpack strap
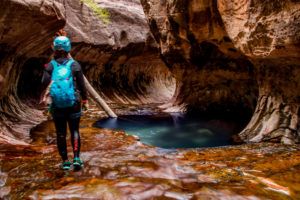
64	63
67	61
70	63
56	64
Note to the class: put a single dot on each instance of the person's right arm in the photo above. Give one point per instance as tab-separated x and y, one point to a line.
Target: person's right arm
46	79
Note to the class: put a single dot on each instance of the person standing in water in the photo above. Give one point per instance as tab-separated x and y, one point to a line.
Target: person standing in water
66	87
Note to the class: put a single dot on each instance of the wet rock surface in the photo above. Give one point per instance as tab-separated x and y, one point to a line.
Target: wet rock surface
118	166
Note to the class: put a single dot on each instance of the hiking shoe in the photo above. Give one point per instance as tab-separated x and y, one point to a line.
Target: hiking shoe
66	165
77	162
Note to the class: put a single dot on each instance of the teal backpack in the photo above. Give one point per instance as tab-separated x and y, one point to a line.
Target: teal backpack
62	88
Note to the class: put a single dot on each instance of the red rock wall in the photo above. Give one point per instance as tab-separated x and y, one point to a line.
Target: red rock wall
121	59
222	52
26	31
208	68
268	33
226	56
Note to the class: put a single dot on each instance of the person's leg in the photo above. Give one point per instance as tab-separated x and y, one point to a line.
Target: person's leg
61	131
75	137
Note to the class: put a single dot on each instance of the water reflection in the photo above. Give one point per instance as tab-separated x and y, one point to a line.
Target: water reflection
174	130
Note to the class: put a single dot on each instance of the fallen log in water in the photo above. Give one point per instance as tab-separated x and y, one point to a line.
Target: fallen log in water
99	100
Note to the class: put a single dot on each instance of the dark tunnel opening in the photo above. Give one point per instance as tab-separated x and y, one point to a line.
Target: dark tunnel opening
128	84
115	83
30	86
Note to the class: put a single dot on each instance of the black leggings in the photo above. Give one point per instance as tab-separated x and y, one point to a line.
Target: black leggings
61	131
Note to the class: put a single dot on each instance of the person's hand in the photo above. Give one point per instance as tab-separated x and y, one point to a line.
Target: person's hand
85	106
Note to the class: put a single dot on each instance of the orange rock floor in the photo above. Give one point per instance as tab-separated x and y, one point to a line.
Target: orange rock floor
118	166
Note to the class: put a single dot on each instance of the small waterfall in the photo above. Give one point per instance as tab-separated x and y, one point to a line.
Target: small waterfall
176	116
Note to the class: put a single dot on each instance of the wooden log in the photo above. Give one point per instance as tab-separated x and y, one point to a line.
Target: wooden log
98	99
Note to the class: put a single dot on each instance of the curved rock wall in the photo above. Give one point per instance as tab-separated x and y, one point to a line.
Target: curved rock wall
225	52
209	70
26	31
224	56
120	59
268	32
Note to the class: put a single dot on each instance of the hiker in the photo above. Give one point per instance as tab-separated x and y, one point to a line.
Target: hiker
67	86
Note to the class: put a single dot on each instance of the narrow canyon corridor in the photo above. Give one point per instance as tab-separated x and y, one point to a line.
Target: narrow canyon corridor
206	93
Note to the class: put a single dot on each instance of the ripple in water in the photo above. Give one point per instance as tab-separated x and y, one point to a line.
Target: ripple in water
174	130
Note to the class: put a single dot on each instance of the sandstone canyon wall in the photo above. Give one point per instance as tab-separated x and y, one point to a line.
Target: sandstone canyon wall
227	57
211	73
121	59
26	30
227	54
268	33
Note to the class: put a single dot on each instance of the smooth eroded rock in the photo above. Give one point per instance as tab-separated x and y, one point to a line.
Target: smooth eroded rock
121	59
226	55
26	31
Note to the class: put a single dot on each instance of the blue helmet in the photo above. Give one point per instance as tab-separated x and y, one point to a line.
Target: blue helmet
62	43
